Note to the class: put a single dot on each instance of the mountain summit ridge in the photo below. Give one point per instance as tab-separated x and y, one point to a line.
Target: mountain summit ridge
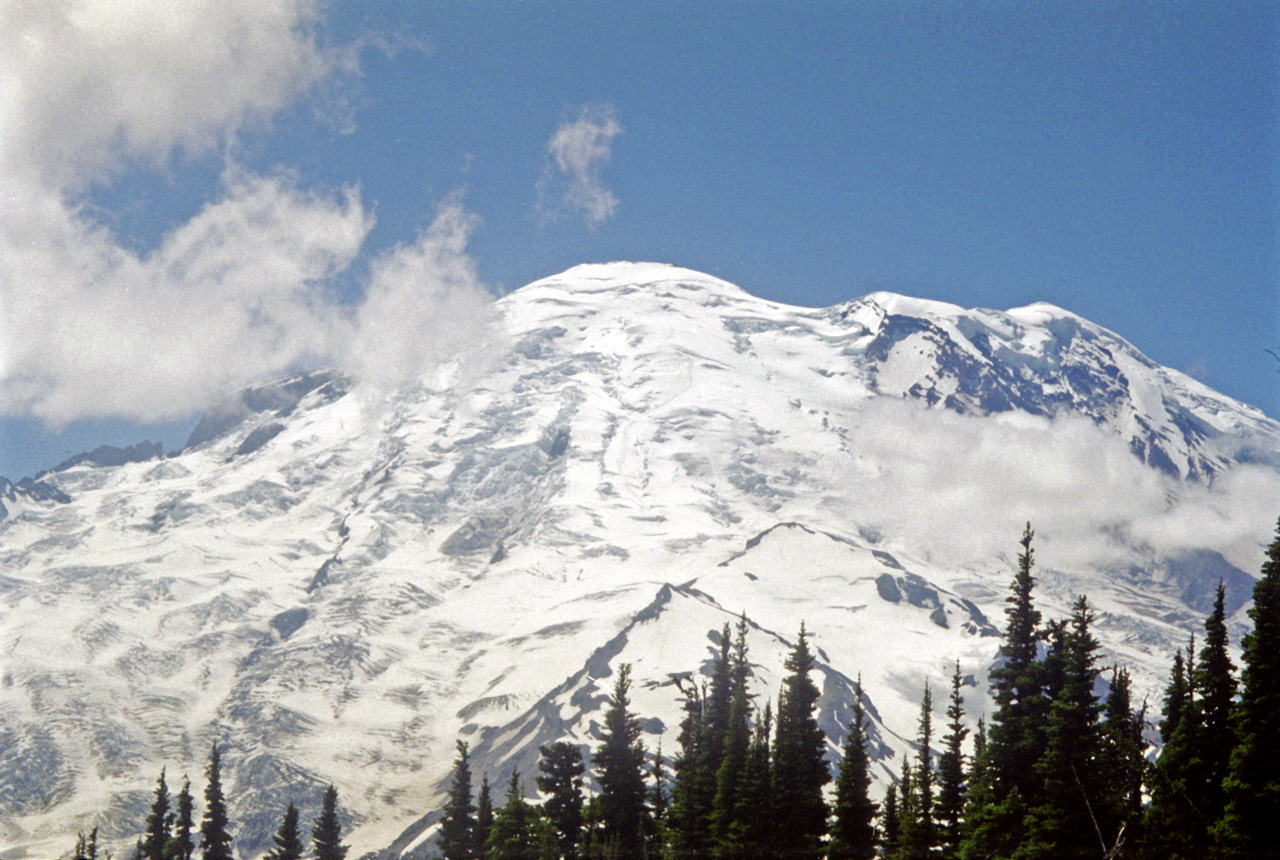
337	584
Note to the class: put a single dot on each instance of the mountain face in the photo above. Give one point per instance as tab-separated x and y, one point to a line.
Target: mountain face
335	584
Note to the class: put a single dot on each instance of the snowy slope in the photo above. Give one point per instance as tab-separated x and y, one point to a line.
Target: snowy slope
336	585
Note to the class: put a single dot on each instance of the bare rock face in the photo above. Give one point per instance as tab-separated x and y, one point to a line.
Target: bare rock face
335	587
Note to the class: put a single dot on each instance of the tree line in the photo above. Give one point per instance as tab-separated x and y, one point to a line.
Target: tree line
1062	772
171	830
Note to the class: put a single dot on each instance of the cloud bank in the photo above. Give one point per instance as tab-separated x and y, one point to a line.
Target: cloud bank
576	155
244	289
960	488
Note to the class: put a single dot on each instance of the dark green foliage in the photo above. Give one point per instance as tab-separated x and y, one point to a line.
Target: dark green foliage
799	768
688	836
1250	826
158	823
1122	763
853	834
995	823
1063	824
1215	684
215	839
620	771
484	819
87	848
729	810
326	837
287	841
1177	698
458	825
181	843
951	775
561	780
924	831
1188	794
659	802
890	832
514	835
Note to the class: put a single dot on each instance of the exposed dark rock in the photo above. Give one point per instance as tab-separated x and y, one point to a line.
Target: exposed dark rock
259	437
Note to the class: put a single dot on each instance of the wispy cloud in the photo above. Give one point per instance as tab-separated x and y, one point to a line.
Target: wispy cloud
90	328
576	155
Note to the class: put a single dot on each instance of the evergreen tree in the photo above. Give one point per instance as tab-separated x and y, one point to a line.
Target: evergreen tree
288	842
659	804
995	826
853	834
458	825
688	839
1215	683
214	836
905	845
1250	826
181	844
728	809
326	836
515	833
158	823
799	766
925	832
1064	823
561	780
951	775
1124	764
1177	697
890	832
756	800
484	819
619	766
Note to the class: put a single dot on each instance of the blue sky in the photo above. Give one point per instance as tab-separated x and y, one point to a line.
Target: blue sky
207	197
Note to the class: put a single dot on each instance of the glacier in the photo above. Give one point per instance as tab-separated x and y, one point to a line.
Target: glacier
335	583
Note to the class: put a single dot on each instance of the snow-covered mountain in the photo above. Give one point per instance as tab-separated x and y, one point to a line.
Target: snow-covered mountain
336	583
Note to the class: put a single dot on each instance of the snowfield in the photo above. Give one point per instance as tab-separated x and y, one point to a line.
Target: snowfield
335	584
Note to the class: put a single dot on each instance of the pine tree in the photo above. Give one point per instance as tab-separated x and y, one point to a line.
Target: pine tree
288	842
951	774
326	836
728	811
181	844
561	780
799	766
515	834
853	833
1177	697
214	836
689	839
904	845
1216	685
1123	764
484	819
925	835
659	804
158	821
996	825
756	800
458	825
890	832
619	766
1064	823
1250	826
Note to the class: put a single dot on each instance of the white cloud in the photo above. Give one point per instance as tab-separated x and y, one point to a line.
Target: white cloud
243	290
87	85
577	154
960	489
422	306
